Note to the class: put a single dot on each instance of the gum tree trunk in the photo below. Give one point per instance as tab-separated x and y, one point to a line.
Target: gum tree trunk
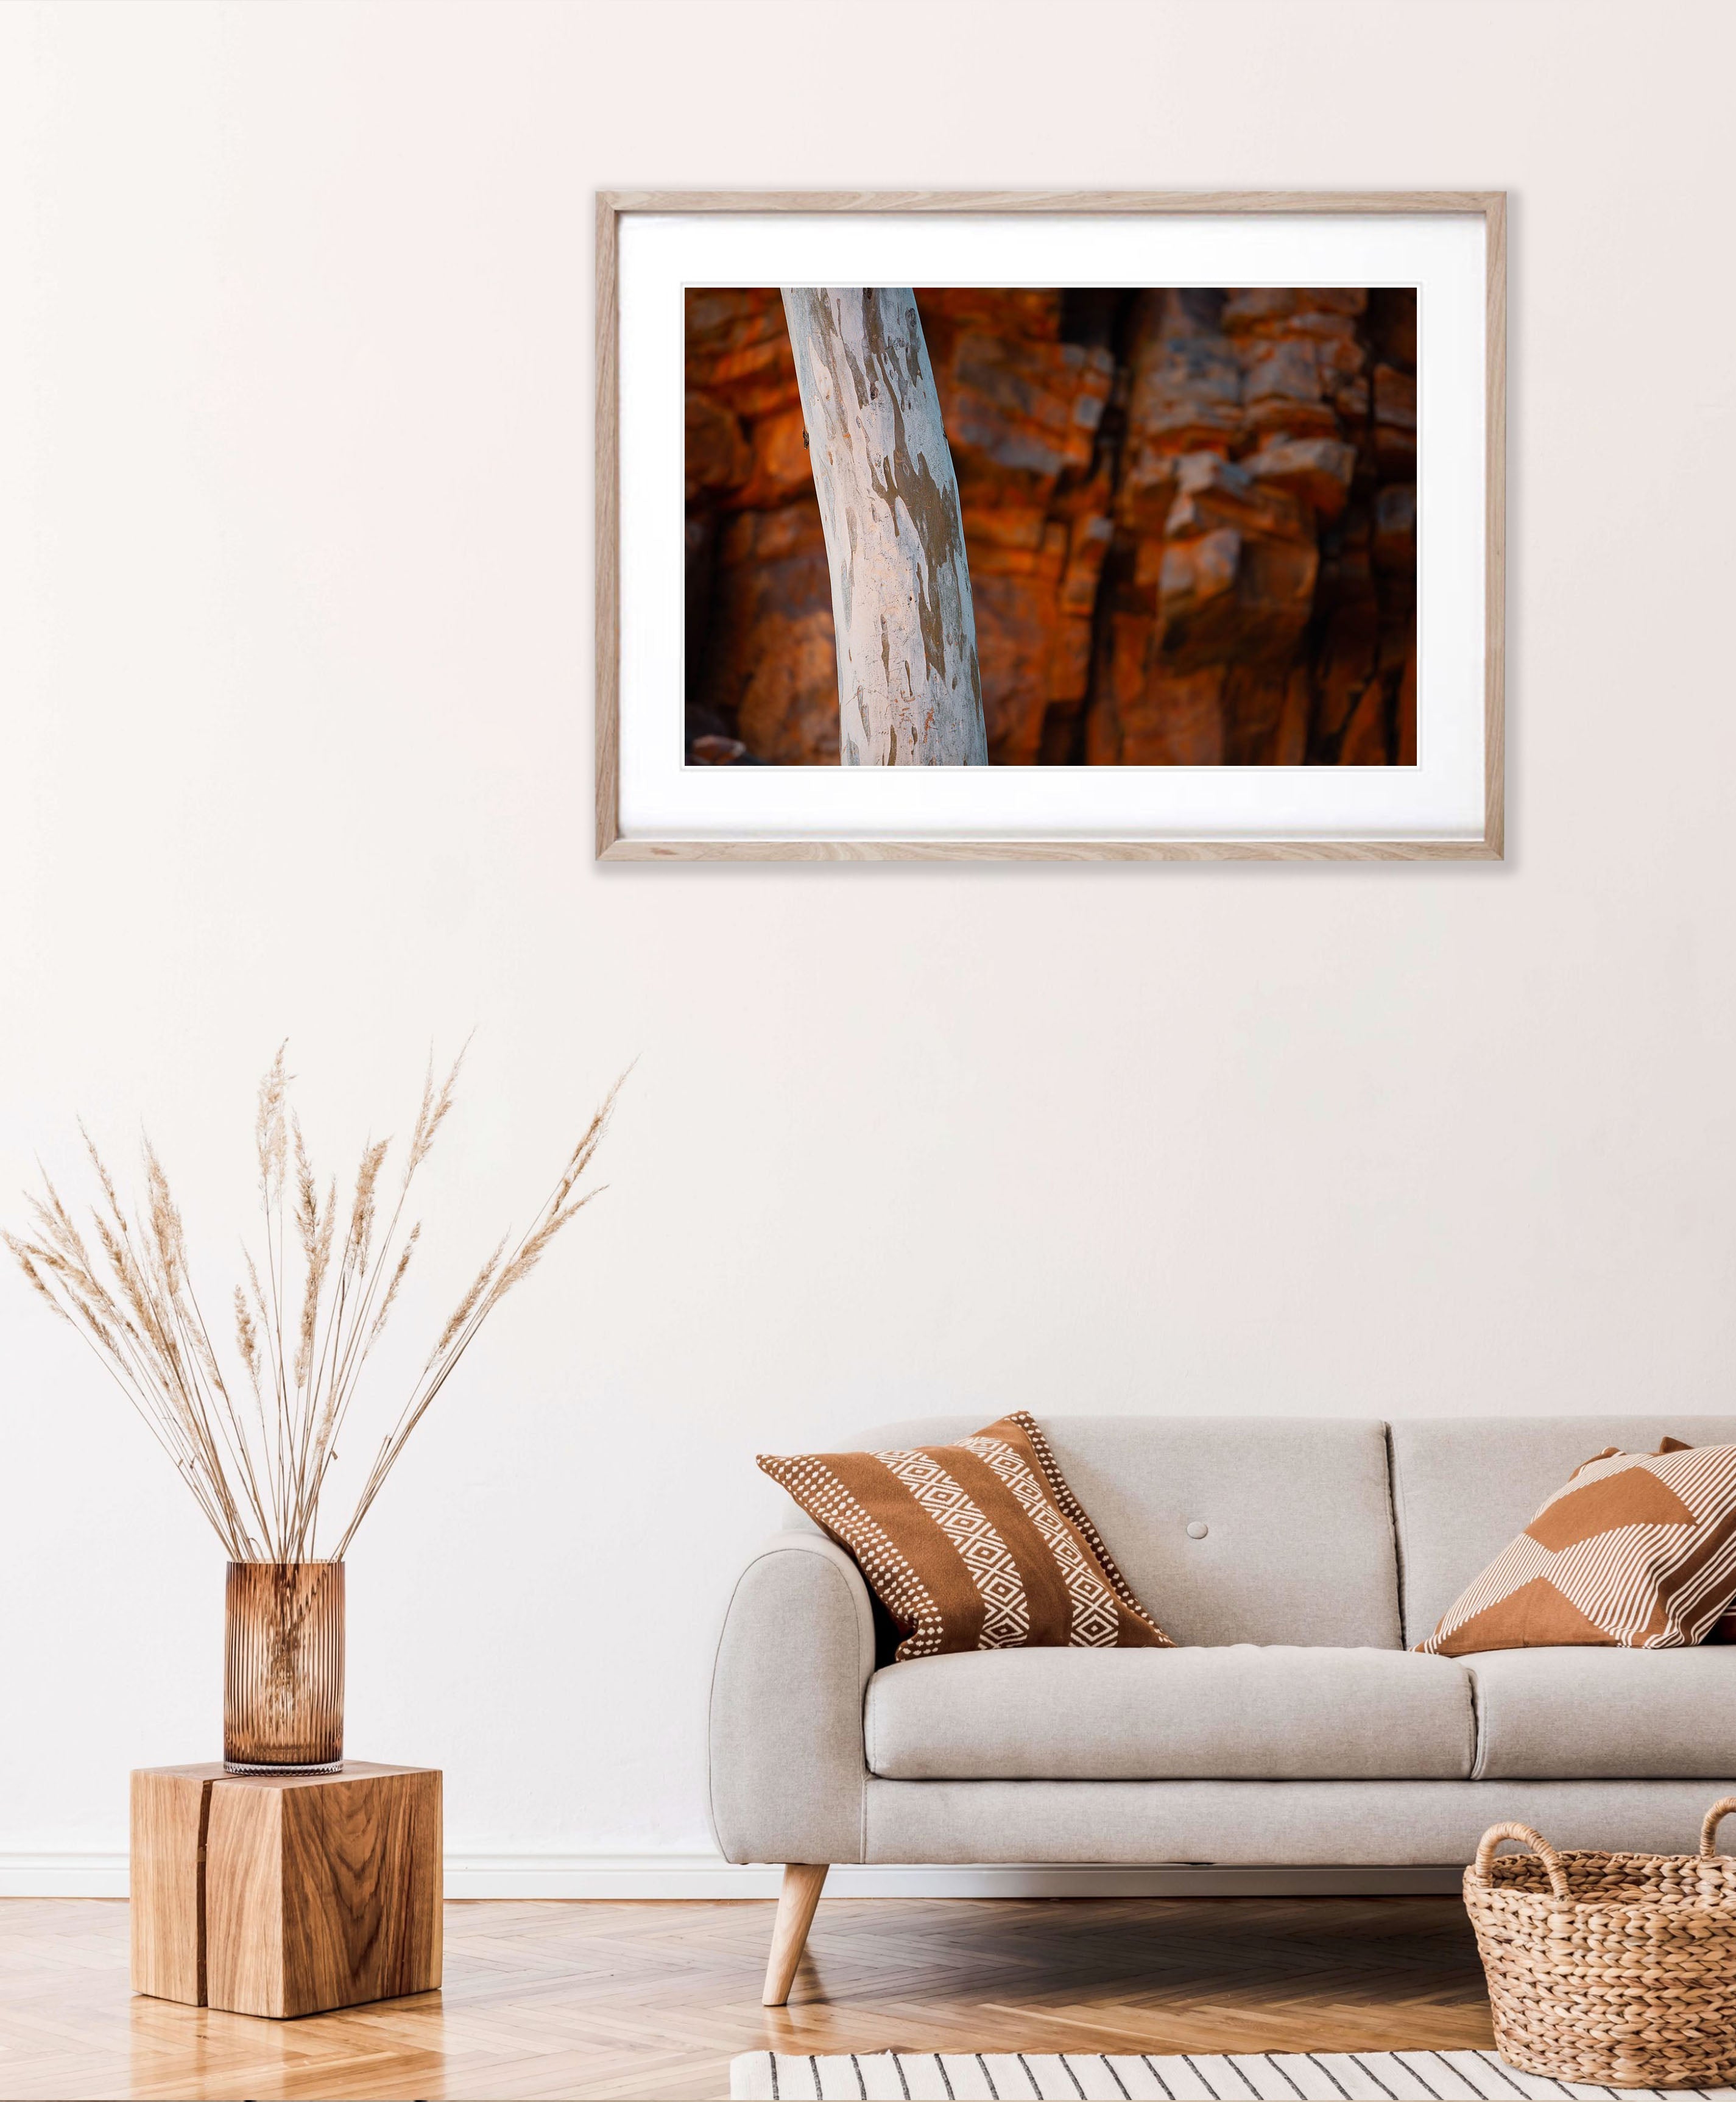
909	691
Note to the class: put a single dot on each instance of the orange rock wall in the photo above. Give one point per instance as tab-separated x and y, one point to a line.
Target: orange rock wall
1190	518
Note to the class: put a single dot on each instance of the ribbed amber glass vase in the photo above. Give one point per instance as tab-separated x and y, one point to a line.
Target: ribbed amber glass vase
283	1668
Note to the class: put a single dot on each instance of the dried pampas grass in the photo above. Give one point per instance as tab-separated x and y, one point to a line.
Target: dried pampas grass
256	1457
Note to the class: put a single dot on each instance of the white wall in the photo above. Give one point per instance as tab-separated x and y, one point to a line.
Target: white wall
295	381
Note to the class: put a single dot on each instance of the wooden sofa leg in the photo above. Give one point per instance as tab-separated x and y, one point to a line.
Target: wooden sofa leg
803	1884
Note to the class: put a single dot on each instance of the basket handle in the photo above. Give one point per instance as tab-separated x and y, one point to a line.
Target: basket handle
1709	1830
1540	1847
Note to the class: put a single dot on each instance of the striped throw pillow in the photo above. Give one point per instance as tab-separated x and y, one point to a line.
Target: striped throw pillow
1638	1551
976	1546
1723	1629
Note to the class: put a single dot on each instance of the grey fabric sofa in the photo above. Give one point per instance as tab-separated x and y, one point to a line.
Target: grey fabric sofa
1297	1560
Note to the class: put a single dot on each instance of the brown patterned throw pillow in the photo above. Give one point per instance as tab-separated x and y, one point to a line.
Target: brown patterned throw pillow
976	1546
1638	1551
1723	1629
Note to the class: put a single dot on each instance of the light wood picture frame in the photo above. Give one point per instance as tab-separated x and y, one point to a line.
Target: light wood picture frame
1479	836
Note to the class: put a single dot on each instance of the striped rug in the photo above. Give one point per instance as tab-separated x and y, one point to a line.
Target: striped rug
1312	2076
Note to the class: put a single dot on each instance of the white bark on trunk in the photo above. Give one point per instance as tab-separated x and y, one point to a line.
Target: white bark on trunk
909	690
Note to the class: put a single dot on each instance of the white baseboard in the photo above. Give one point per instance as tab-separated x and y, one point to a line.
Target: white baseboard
95	1875
704	1876
63	1875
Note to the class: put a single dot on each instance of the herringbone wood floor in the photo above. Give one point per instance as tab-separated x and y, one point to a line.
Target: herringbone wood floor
652	1999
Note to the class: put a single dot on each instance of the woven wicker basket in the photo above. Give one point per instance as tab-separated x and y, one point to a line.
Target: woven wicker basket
1617	1969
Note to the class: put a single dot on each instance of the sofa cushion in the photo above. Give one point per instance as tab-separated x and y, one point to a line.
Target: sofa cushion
1464	1486
1172	1714
1604	1714
1235	1528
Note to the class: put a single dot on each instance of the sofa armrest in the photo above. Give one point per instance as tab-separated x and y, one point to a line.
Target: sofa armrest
788	1773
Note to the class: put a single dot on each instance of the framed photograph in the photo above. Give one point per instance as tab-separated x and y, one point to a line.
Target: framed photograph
1059	526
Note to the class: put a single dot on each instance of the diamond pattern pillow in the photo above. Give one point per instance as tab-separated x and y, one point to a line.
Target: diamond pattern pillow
1638	1551
976	1546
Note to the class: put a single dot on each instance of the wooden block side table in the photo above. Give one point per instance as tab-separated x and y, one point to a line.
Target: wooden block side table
285	1893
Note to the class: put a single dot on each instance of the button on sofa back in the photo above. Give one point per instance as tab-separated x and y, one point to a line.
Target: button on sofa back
1248	1539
